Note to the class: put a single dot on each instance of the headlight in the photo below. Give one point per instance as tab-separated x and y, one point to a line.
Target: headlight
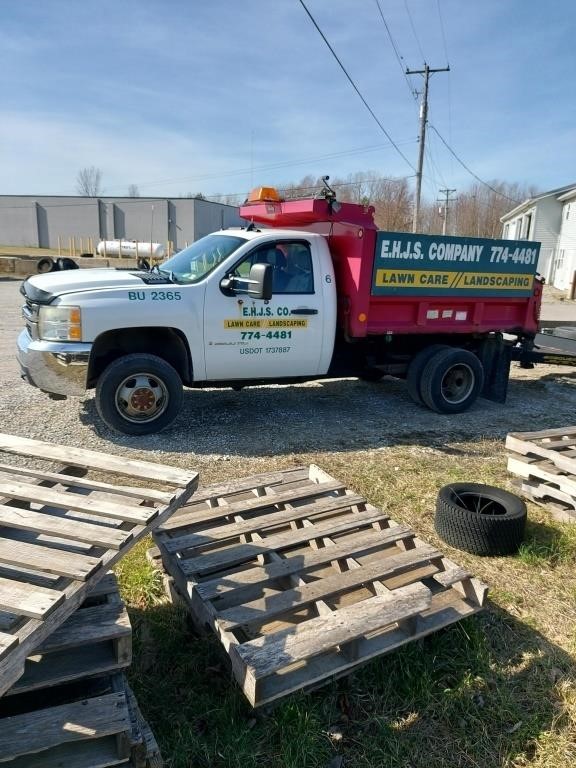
60	324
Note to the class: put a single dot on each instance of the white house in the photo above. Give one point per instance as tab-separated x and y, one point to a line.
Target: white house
549	218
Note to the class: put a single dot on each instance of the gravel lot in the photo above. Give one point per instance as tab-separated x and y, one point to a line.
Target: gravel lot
225	433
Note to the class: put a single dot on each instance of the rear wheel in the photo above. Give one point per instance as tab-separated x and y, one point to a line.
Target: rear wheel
139	394
452	381
416	367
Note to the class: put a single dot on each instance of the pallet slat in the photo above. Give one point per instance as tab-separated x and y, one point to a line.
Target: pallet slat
52	560
80	457
266	655
28	600
63	527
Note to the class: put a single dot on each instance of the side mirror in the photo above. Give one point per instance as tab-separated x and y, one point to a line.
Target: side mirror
260	281
258	284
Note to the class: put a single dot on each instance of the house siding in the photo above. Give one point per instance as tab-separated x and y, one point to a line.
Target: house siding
567	244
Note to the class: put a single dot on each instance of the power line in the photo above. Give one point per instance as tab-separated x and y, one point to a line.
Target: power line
399	56
442	31
353	84
414	30
463	164
107	199
262	168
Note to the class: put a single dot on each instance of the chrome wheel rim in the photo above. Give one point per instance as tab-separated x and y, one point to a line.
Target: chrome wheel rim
457	383
141	397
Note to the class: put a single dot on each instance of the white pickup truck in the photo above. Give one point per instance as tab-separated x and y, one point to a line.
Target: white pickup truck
320	292
223	309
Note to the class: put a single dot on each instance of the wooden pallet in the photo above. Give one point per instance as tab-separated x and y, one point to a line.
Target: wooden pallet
61	530
303	580
73	707
556	445
561	508
542	479
94	641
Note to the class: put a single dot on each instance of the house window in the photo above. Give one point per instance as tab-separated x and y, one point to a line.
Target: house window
506	228
518	234
527	225
567	211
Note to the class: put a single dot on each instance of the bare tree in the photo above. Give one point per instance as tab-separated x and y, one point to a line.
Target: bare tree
89	182
133	191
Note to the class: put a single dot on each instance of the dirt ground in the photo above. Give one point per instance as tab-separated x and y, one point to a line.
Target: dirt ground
270	424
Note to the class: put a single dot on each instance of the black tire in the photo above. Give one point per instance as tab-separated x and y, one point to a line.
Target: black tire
452	381
480	519
44	265
65	262
416	367
143	264
139	394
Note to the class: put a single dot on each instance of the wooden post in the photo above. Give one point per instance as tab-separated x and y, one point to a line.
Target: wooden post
59	246
120	248
70	247
573	287
136	252
104	241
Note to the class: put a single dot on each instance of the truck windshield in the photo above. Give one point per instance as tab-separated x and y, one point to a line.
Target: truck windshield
199	259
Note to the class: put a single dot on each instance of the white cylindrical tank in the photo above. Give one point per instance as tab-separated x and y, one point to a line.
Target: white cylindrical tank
131	248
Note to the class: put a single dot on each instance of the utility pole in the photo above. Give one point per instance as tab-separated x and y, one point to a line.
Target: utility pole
446	201
427	71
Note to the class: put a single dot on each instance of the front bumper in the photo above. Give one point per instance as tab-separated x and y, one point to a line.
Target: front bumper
56	368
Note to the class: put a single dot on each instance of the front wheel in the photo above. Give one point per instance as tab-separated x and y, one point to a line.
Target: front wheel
139	394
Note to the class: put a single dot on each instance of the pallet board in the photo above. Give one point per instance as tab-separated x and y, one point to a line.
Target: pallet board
556	445
66	516
303	580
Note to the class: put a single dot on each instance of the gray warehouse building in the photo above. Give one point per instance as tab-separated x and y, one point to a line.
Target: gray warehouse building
38	221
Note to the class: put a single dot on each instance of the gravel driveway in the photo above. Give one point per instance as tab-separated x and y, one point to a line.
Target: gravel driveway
278	425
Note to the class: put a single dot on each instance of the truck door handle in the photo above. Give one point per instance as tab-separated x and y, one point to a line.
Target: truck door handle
304	311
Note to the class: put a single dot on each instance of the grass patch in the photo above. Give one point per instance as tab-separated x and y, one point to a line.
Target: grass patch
548	547
494	691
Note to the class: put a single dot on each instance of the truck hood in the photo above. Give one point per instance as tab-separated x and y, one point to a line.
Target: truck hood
44	288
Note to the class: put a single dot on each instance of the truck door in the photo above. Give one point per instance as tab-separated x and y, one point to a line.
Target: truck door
247	338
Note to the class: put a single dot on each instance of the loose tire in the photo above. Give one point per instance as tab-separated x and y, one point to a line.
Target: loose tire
480	519
451	381
45	264
139	394
416	367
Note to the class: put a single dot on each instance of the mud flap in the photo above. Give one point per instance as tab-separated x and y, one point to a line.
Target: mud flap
495	357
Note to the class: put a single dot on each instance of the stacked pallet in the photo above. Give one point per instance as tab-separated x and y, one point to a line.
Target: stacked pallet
72	706
65	637
545	463
303	580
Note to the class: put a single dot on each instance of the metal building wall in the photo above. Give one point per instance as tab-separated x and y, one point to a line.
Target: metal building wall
65	217
209	217
39	221
18	225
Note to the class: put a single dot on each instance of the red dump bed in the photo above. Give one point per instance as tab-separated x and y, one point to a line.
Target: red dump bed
400	283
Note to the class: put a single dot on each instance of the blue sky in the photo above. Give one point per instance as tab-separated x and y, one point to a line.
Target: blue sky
219	95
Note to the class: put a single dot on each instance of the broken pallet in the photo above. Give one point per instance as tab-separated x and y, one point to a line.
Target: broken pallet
303	580
62	529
